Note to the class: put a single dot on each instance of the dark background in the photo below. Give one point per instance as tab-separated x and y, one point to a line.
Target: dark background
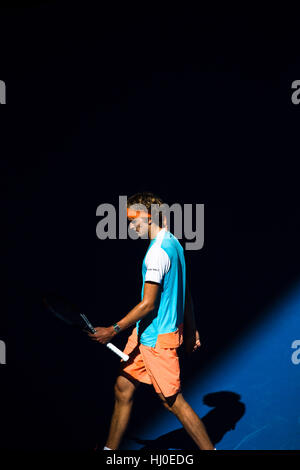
192	105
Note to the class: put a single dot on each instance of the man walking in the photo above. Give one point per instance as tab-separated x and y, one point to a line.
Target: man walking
164	312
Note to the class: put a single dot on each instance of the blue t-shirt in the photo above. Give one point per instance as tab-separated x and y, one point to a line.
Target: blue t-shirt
164	263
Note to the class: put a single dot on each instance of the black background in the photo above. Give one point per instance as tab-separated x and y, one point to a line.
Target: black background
193	105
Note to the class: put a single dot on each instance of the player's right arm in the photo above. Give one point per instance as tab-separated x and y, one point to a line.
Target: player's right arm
143	308
150	298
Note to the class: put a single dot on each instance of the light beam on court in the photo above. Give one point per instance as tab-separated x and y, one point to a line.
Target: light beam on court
261	369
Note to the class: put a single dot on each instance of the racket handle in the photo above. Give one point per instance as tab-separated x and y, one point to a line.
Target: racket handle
117	351
88	323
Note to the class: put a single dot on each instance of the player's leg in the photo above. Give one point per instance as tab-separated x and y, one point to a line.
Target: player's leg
163	367
124	391
189	419
132	373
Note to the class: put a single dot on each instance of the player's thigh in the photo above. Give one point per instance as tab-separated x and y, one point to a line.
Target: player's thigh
170	403
125	387
164	401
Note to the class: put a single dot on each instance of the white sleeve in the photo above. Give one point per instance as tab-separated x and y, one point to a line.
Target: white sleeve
157	263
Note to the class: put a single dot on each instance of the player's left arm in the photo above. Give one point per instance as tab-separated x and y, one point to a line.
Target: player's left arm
191	333
150	298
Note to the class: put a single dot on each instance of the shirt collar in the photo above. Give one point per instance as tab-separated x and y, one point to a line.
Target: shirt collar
160	235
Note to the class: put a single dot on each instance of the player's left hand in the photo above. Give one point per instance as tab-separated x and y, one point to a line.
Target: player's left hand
103	335
192	342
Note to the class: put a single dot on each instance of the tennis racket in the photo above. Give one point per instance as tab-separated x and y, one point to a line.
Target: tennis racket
62	309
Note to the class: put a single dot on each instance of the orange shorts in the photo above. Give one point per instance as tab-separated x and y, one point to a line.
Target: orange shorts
157	366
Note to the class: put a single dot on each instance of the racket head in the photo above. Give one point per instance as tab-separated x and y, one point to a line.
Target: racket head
65	311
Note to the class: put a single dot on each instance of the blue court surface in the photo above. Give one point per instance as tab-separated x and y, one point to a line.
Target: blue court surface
250	399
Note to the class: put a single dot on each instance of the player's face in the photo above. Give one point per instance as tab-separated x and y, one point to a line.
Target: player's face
139	225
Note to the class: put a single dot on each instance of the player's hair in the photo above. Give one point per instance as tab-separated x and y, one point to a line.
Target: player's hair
146	199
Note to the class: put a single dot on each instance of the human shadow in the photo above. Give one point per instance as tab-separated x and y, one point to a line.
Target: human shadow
227	411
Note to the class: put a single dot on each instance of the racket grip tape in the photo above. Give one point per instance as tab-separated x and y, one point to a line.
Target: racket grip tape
117	351
88	323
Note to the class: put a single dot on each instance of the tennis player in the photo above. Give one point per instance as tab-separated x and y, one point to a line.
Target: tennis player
164	312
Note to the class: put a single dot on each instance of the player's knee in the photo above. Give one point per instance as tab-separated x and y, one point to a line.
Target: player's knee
123	391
